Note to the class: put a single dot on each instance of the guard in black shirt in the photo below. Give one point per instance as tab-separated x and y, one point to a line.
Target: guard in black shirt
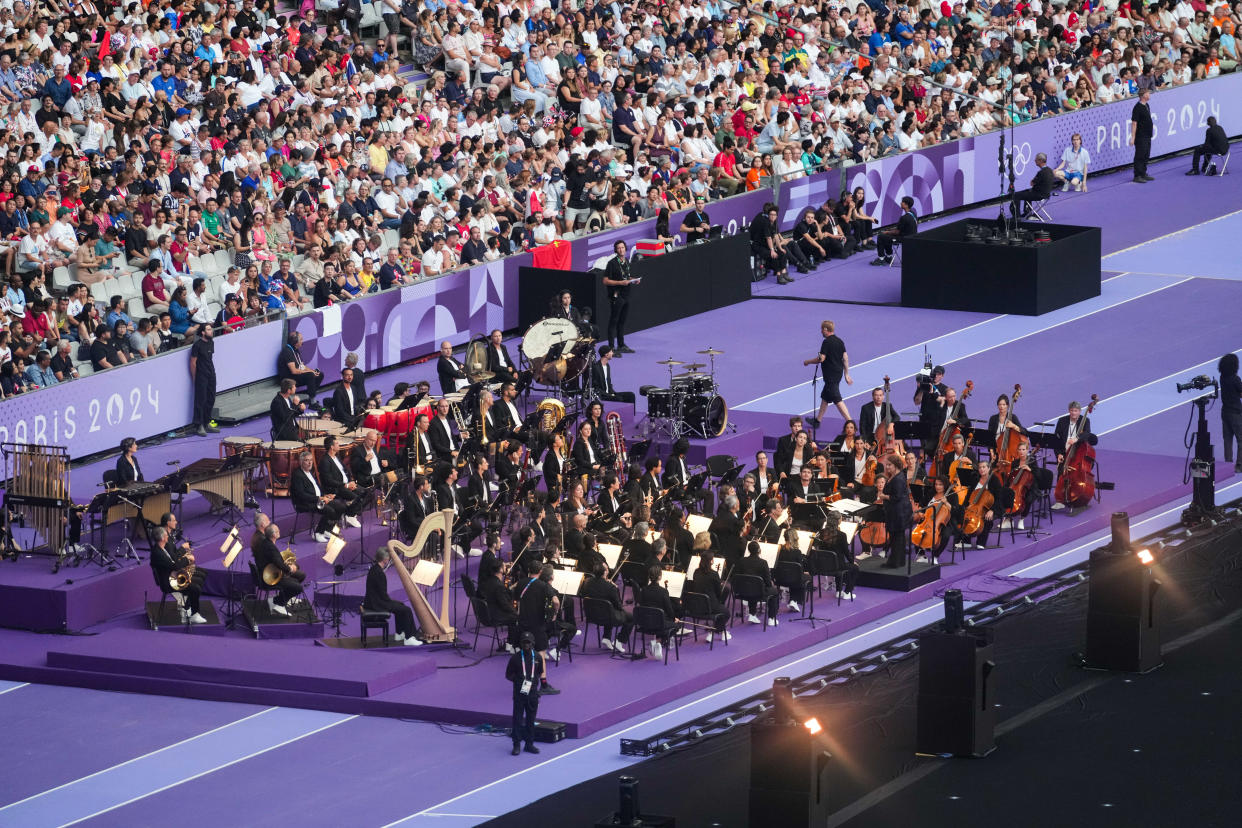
525	670
696	223
1141	129
203	373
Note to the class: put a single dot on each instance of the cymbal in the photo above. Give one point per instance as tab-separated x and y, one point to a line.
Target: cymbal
695	366
711	351
481	375
669	361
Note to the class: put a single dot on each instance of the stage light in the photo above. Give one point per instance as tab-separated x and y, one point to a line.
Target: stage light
1146	557
812	724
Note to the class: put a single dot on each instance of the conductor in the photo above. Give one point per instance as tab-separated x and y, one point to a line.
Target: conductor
377	599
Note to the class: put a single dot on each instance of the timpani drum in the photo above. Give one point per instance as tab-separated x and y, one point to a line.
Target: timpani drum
246	446
317	448
378	420
282	459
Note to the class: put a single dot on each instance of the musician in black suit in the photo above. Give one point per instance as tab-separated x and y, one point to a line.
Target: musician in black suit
477	495
706	581
586	458
308	496
377	600
563	308
506	415
284	412
589	555
654	594
1072	428
508	473
575	535
335	479
450	370
600	588
444	443
898	513
677	538
127	468
1002	409
164	563
800	489
790	552
614	511
785	445
601	378
727	527
538	604
498	360
650	481
872	415
952	413
754	565
348	401
554	464
360	378
420	453
499	600
291	577
638	548
416	504
449	496
367	460
958	453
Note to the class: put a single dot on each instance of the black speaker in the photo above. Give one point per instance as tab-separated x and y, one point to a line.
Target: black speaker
788	775
954	611
1121	532
1122	629
956	711
629	814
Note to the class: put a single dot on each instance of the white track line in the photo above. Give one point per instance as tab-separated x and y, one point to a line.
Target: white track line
15	687
1168	235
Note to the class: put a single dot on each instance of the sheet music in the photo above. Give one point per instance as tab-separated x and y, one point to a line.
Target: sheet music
718	564
847	507
769	552
611	553
566	583
426	573
674	582
849	529
565	563
804	541
698	523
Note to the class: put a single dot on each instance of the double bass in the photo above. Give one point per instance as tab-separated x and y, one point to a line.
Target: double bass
947	431
1008	445
1076	485
881	430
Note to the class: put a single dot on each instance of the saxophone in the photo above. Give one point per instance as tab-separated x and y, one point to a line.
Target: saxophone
616	439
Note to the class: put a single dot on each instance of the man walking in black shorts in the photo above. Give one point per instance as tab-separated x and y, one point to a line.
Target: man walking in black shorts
836	364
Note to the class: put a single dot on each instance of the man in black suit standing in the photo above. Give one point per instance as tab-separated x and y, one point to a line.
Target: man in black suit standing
1215	142
498	360
336	481
377	599
907	225
284	412
601	378
360	378
872	415
617	280
898	513
1141	130
290	584
451	372
348	401
600	588
1040	189
308	496
727	526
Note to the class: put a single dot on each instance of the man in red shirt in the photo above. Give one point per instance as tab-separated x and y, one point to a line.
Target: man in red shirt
154	297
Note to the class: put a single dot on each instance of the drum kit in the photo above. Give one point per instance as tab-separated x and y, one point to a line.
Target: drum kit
691	404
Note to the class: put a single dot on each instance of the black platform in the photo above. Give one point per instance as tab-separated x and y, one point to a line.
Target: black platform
941	269
164	617
871	574
689	280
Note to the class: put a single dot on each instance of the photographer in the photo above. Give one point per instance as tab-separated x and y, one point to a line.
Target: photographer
1231	408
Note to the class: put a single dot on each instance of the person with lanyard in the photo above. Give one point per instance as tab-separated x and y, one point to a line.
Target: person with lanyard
697	223
536	602
203	375
1071	428
525	672
836	362
618	280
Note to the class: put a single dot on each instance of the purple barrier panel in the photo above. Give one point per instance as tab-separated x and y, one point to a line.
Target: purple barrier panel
948	176
92	414
733	213
809	191
390	327
248	355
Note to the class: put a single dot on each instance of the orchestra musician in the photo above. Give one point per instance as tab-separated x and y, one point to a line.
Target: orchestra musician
164	563
677	473
498	360
650	481
127	468
855	465
833	554
177	543
554	468
727	527
478	497
655	594
872	415
754	565
958	452
483	426
785	445
599	588
638	548
992	483
399	392
449	496
575	536
508	472
777	521
764	474
444	445
613	510
307	496
750	499
291	577
452	373
915	472
706	581
563	308
601	378
367	460
801	489
539	606
359	382
898	513
790	551
590	554
799	455
1002	408
948	417
284	412
420	451
599	437
940	499
575	501
586	458
1041	479
348	401
416	505
498	598
336	480
508	419
1072	427
677	538
376	599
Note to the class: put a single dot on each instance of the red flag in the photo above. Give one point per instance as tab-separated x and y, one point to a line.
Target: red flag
554	256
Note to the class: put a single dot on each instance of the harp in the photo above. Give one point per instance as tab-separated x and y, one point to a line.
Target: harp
435	629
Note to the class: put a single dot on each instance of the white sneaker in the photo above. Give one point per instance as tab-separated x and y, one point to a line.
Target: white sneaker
353	521
458	553
1021	524
1056	507
554	654
413	642
398	637
322	537
657	651
618	646
509	648
753	619
277	609
197	618
1006	523
607	642
709	637
847	596
793	607
476	553
772	622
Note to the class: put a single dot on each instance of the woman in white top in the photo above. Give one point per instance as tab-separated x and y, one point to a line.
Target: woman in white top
788	167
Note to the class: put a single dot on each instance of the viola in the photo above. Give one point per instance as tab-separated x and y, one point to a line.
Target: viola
979	502
929	534
1009	445
1076	485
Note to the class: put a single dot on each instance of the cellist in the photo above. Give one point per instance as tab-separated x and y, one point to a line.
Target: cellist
992	484
1071	428
958	453
1016	501
932	533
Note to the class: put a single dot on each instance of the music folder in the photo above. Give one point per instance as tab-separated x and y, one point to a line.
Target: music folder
849	529
426	573
769	552
718	564
698	523
566	582
674	582
611	553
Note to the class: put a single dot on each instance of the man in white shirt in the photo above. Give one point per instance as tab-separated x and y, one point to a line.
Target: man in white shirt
435	260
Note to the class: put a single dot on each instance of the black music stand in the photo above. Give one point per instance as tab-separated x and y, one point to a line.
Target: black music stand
730	477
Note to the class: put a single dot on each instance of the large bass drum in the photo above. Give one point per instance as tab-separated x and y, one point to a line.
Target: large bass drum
707	416
540	339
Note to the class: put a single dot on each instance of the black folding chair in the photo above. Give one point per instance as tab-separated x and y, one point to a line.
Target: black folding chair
596	611
747	589
790	575
698	607
649	621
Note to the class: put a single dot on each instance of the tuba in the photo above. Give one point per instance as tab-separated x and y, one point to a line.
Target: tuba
551	410
616	439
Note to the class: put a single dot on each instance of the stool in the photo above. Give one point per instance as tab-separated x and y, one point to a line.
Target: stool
374	620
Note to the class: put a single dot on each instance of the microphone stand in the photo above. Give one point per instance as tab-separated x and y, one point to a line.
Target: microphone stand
815	398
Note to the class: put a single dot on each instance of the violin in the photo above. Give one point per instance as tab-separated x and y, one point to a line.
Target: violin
1008	446
1076	485
947	432
977	505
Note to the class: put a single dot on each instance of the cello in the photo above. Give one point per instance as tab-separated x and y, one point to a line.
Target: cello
979	502
957	465
1007	445
1076	484
929	534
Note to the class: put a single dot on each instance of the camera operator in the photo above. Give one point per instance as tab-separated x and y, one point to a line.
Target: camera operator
1231	408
